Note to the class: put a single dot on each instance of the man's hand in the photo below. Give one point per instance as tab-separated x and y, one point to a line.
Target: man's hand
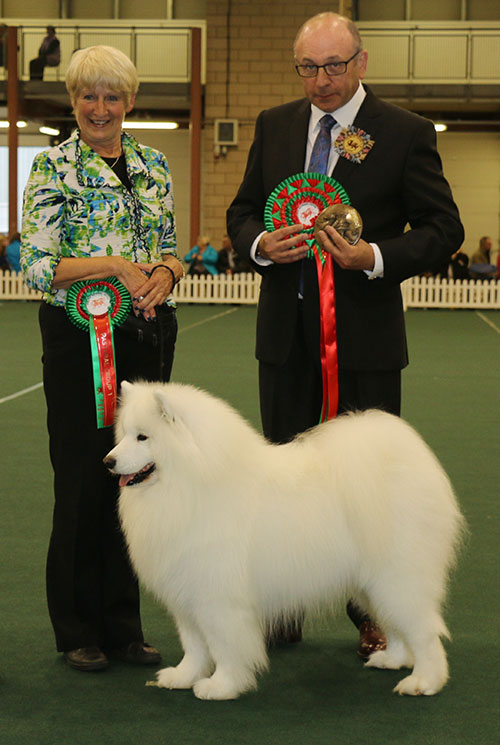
359	256
280	246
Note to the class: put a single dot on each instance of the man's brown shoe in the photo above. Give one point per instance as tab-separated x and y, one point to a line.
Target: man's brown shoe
138	653
86	659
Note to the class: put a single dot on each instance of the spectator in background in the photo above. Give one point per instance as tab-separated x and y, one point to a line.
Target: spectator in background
481	266
202	258
49	55
4	264
229	261
13	250
226	263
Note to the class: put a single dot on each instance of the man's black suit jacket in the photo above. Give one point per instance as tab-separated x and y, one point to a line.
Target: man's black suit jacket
398	185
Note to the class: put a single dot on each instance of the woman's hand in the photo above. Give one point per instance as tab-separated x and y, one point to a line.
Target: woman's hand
146	291
157	287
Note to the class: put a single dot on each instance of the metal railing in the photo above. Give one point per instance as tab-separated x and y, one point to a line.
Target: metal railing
160	50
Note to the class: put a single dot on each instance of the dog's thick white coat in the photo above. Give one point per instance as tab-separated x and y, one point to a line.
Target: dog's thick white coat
231	533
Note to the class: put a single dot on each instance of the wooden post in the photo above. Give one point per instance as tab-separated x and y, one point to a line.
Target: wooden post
12	115
195	136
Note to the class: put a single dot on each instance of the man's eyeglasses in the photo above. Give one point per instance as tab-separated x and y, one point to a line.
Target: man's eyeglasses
331	68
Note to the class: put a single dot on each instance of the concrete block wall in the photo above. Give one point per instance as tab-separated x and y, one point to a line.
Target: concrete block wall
249	68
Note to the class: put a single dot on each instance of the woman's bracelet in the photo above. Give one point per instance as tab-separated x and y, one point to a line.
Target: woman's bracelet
165	266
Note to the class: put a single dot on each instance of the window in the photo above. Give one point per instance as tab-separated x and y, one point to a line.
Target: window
25	157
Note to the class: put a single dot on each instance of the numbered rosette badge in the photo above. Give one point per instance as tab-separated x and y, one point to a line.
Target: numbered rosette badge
97	307
300	199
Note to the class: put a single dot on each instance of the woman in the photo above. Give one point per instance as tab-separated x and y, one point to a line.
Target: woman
202	258
98	205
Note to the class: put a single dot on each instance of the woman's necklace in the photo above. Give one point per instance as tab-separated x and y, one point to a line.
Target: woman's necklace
113	164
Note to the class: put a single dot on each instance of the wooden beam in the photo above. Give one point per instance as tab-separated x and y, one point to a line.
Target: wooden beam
12	115
195	137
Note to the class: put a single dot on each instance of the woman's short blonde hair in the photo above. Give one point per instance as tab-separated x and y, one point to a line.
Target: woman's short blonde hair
101	66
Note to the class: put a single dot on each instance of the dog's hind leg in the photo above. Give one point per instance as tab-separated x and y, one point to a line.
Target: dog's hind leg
415	641
431	667
395	656
236	643
196	662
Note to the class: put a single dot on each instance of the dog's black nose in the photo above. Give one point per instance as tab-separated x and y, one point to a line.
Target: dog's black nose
109	462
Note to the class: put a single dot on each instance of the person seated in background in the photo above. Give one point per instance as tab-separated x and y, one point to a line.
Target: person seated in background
49	55
13	251
4	264
480	265
229	261
202	258
226	262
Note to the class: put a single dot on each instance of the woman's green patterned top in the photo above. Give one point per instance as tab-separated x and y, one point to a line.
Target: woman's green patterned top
76	206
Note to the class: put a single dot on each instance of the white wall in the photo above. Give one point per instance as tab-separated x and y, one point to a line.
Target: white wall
175	145
471	163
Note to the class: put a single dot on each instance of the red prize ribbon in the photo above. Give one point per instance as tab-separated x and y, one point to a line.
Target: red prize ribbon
97	307
328	340
301	198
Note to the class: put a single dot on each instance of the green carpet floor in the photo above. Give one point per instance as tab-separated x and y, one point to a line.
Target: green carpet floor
316	692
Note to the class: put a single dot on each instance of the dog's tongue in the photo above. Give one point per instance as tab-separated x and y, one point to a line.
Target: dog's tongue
134	478
125	478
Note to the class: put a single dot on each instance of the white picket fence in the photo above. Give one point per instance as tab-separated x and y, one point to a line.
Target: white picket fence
243	289
433	292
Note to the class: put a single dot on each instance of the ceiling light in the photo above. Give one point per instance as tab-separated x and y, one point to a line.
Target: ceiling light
150	125
49	131
440	126
5	125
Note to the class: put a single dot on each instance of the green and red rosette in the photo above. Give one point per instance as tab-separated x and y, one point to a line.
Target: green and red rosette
97	306
300	199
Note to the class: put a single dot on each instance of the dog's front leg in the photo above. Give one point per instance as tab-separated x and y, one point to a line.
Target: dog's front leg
236	644
195	664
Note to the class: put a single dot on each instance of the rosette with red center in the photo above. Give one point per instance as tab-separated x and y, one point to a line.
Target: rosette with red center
300	199
97	306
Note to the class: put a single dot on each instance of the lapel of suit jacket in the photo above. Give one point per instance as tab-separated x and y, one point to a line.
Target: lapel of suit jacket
345	170
299	126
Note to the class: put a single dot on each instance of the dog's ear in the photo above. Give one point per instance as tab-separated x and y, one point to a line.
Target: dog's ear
164	405
124	387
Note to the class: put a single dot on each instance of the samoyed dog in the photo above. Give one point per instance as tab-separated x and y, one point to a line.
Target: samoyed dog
232	533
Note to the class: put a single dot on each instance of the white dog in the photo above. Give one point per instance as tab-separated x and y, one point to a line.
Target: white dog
232	533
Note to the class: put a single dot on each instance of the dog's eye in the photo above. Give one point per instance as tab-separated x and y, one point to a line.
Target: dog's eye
142	437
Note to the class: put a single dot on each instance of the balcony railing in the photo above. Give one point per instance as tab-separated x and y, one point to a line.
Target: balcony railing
161	50
425	53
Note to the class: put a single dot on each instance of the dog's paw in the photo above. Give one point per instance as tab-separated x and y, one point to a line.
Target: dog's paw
173	677
387	660
416	685
211	689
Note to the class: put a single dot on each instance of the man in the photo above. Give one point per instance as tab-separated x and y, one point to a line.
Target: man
398	182
229	261
49	55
